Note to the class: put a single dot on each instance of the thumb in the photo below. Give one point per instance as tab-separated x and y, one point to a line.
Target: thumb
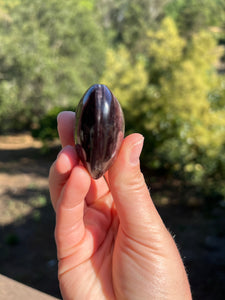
133	202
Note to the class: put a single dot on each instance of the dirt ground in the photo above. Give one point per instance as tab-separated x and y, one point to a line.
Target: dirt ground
27	247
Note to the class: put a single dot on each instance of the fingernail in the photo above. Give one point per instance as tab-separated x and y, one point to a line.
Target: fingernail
136	152
66	159
66	149
60	152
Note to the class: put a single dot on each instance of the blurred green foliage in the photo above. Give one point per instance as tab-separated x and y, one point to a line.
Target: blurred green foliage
160	59
50	52
47	126
195	15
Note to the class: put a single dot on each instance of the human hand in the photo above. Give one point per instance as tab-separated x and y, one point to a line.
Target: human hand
111	241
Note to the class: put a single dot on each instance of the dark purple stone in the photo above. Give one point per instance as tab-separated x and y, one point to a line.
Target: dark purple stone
99	129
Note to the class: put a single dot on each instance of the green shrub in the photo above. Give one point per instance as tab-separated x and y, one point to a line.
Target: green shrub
46	127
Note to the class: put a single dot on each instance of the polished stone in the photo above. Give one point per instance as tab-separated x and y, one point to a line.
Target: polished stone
99	129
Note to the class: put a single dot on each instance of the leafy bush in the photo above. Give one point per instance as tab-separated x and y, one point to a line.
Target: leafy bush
159	63
184	133
50	52
46	128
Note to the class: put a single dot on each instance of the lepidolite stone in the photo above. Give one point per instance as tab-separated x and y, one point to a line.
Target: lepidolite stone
99	129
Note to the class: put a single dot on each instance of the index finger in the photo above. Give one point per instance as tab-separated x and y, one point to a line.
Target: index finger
66	127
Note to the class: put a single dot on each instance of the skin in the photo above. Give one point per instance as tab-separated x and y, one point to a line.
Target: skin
111	241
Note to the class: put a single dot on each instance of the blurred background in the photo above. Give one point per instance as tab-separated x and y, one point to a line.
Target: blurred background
164	60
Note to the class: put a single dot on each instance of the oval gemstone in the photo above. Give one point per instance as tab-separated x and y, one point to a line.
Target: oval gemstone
99	129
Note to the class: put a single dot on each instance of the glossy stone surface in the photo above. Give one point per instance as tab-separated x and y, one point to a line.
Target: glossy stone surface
99	129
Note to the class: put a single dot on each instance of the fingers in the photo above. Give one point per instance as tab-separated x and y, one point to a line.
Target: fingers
60	171
68	184
66	126
98	189
70	228
132	199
